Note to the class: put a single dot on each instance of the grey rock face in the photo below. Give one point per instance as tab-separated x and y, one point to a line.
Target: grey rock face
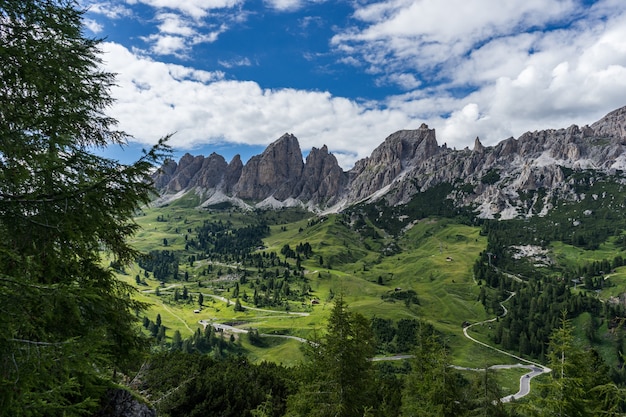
323	180
164	174
401	151
211	172
273	173
411	161
232	174
613	125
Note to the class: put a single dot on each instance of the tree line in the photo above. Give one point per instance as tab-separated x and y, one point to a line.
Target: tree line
338	378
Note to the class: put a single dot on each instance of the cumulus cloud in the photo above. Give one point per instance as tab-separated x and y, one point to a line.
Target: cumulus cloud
177	37
467	68
93	25
180	25
175	24
423	35
167	44
154	99
405	81
494	69
107	9
284	5
289	5
196	9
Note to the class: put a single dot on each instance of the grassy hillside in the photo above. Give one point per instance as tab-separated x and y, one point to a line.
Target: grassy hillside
425	274
277	272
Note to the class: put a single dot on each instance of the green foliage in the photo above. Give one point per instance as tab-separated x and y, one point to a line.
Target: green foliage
435	201
337	380
221	237
162	263
68	325
577	377
408	296
432	388
586	223
189	385
491	177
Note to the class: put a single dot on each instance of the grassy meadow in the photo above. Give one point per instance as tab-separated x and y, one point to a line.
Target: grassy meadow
432	259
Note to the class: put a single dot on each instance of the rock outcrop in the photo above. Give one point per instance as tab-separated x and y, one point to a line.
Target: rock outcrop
322	179
400	152
121	403
406	163
274	173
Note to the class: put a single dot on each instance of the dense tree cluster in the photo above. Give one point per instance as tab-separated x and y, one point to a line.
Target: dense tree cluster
542	294
337	378
189	385
68	326
585	224
579	384
394	337
434	201
221	237
163	264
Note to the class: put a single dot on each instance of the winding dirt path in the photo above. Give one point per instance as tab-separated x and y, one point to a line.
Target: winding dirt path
535	368
177	317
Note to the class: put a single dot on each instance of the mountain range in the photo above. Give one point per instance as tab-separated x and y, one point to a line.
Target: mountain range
495	181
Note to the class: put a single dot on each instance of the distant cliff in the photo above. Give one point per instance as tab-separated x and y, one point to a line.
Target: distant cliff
405	163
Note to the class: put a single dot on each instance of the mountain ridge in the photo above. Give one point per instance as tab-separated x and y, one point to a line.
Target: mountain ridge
489	179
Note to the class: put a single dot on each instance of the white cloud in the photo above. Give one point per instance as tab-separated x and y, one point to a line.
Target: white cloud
197	9
496	69
107	9
154	99
405	81
180	24
177	38
423	34
289	5
284	5
239	62
167	44
174	24
93	25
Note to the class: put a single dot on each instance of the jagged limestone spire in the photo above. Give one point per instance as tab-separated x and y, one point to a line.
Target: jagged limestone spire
478	147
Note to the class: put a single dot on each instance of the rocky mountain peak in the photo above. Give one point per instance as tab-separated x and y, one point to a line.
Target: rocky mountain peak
611	125
273	173
478	146
191	171
232	174
322	180
400	151
490	179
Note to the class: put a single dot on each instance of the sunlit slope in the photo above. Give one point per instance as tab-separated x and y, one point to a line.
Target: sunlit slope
425	273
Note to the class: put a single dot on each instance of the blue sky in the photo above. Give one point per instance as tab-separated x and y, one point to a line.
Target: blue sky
232	76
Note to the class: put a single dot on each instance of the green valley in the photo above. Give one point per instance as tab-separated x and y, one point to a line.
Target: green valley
425	274
264	281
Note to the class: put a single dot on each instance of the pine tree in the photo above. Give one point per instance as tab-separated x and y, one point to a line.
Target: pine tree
338	379
432	389
68	325
485	395
564	394
177	341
